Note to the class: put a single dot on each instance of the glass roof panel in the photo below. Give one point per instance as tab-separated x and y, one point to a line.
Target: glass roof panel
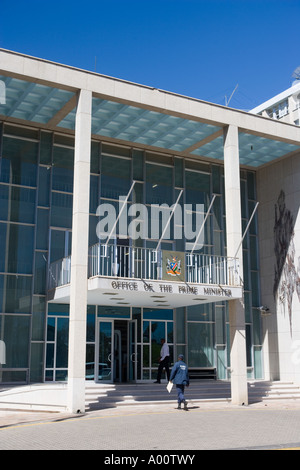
39	103
253	150
32	101
144	126
213	149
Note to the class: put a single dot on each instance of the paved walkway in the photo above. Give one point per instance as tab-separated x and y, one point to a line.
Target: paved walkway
156	428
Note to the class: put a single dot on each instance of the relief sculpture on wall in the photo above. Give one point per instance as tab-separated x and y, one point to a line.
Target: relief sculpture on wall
287	274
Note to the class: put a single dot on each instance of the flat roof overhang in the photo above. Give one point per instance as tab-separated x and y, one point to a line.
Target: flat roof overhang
43	94
120	292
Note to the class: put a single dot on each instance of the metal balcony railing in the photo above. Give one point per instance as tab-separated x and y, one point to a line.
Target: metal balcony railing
146	263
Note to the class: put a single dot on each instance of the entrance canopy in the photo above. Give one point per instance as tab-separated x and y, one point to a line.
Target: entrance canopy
43	94
153	294
128	276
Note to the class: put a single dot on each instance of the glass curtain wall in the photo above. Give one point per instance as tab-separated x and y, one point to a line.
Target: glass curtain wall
36	186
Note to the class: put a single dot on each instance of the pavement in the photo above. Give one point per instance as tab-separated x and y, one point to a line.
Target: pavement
158	430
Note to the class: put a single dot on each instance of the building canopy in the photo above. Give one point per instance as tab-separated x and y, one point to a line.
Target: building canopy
44	94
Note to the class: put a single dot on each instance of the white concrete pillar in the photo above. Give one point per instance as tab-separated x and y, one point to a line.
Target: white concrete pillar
79	254
239	390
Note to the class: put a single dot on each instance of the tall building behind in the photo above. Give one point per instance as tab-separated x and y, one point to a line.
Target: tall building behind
284	107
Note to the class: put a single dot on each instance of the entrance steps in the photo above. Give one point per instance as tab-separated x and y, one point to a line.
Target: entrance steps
53	396
100	396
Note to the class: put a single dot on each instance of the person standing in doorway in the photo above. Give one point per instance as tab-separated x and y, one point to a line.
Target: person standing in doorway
180	377
164	361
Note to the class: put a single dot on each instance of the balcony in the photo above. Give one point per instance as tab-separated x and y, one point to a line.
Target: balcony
141	274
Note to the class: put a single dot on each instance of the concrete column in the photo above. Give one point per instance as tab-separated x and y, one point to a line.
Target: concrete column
239	390
79	255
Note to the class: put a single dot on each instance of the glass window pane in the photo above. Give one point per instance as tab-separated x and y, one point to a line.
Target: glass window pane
49	375
4	196
37	362
95	160
3	241
197	188
16	298
257	337
180	325
170	332
40	273
58	309
178	165
46	148
38	318
146	332
253	226
42	229
114	312
57	245
61	375
138	164
44	186
221	363
200	312
158	314
255	288
17	204
19	159
14	331
115	177
253	253
94	193
90	362
159	184
200	345
62	171
61	210
62	340
50	355
51	329
251	185
220	325
158	332
248	345
216	180
258	363
146	357
90	328
93	238
19	251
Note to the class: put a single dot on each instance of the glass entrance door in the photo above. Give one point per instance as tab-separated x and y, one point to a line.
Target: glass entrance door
105	360
116	341
132	350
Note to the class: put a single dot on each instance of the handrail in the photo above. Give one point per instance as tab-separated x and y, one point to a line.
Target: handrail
146	263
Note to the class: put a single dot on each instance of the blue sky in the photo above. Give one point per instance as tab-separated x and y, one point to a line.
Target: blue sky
197	48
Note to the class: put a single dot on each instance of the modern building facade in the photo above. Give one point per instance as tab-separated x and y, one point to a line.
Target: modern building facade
131	214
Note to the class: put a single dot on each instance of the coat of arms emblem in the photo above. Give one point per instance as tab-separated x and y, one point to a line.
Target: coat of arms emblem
173	267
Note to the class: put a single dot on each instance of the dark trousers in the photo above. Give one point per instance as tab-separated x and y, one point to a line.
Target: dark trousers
163	365
180	393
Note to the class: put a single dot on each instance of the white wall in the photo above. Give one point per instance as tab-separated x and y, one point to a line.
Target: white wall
279	248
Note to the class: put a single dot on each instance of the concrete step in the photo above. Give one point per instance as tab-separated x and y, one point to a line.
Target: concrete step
100	396
145	393
274	390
